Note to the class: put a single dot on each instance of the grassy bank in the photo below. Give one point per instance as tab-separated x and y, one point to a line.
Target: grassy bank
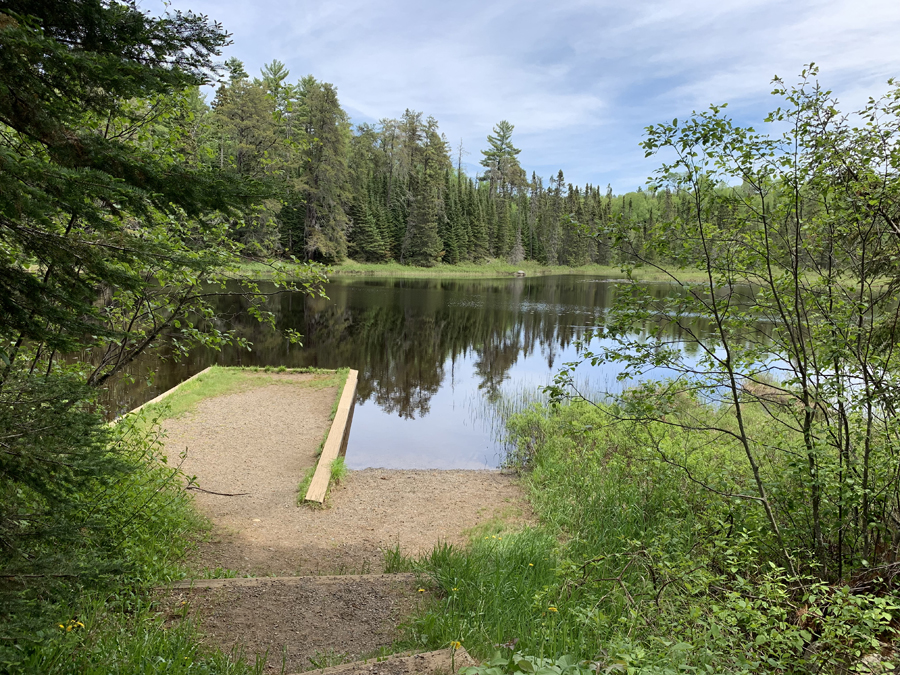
637	569
219	381
492	268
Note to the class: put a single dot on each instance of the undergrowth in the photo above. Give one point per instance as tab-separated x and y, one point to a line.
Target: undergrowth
85	605
636	569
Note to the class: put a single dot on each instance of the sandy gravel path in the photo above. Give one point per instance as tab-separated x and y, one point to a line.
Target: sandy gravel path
261	441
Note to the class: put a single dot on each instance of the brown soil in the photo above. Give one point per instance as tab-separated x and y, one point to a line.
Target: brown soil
308	622
262	441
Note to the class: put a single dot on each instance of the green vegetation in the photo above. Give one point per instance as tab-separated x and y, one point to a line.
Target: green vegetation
390	192
740	516
743	516
303	487
637	568
339	470
496	268
110	539
114	231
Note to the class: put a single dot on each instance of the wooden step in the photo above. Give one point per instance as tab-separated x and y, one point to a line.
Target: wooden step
443	661
262	581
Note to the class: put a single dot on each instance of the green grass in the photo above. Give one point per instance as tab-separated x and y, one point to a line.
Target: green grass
395	561
633	567
137	532
490	268
130	638
303	487
220	381
339	470
339	473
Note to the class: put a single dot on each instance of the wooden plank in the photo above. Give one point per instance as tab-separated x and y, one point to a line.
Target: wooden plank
336	443
165	394
448	661
402	577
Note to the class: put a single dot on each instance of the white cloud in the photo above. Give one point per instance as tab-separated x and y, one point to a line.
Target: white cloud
580	79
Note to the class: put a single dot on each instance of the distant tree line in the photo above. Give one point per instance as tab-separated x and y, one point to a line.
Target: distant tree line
395	190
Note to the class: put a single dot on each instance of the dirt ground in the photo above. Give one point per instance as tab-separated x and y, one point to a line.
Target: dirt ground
304	623
257	444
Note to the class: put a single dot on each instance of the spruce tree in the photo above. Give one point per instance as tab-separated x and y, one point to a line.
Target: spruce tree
422	244
325	187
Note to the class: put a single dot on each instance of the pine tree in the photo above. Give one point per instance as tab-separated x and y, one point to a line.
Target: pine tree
502	169
422	243
325	189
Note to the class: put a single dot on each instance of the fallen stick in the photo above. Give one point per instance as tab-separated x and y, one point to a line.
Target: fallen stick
220	494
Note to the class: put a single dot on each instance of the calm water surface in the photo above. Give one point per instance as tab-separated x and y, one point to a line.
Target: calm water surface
431	354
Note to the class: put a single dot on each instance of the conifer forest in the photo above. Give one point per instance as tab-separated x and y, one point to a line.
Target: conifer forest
393	191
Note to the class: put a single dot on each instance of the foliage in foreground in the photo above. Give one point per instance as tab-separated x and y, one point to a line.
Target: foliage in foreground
75	595
110	236
636	570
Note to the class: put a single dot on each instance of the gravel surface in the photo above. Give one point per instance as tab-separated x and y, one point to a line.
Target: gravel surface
261	441
312	623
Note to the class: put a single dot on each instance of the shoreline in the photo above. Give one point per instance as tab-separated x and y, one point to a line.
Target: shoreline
263	271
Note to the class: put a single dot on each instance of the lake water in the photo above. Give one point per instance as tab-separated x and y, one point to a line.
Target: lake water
431	354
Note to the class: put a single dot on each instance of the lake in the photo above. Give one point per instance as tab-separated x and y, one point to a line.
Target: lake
432	355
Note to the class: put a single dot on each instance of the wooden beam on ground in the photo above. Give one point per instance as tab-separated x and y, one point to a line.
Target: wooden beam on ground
240	582
165	394
336	443
447	661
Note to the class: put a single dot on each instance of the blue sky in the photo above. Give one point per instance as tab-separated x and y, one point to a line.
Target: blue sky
579	80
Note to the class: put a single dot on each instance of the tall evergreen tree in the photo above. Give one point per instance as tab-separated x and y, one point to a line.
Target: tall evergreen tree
324	191
502	169
422	244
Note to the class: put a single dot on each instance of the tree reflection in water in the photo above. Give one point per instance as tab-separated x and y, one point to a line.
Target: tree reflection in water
409	338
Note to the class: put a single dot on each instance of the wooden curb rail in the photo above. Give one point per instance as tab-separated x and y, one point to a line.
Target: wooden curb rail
163	395
325	580
336	443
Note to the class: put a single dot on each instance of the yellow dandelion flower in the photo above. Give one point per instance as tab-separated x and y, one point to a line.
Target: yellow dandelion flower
421	590
552	609
531	564
455	589
455	644
61	626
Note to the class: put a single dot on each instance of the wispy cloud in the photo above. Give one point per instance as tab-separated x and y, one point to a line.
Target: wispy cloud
580	79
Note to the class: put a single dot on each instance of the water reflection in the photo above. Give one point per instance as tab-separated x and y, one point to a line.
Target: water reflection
425	349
